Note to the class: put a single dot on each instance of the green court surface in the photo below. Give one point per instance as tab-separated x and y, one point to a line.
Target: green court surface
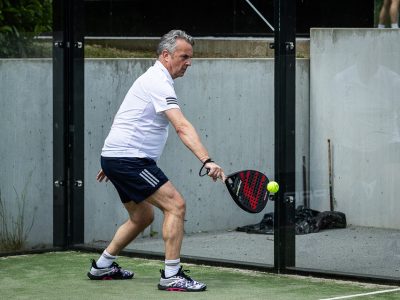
62	275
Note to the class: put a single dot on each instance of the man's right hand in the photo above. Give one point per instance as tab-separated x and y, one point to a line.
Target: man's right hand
215	171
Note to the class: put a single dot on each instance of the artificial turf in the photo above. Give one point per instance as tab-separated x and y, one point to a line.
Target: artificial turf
62	275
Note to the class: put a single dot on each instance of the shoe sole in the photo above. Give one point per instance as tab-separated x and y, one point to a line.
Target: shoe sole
174	289
106	277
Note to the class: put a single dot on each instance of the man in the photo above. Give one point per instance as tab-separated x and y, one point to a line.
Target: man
128	159
390	8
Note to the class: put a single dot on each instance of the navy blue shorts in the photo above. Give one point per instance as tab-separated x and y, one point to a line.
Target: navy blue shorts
134	178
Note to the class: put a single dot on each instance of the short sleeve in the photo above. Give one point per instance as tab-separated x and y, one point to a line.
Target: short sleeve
164	98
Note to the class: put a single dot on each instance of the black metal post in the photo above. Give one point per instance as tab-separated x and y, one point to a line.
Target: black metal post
285	50
68	96
76	121
60	93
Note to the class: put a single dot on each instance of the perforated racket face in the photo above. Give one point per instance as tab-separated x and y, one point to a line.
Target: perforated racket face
248	189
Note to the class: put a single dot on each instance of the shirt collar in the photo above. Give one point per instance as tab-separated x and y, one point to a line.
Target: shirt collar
158	64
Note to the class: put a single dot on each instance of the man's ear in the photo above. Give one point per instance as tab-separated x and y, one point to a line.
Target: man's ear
165	55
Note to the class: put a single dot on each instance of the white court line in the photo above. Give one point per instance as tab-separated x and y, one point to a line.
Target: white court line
365	294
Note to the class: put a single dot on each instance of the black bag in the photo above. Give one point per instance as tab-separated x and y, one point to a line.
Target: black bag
266	226
307	221
330	220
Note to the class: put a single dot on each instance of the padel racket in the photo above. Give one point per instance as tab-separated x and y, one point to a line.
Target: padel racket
248	188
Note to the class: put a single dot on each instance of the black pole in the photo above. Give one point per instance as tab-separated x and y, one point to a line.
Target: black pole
68	96
76	121
60	133
285	50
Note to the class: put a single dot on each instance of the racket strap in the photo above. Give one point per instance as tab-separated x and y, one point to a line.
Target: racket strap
208	160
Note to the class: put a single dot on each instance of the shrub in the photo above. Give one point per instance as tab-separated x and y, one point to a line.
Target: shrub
20	21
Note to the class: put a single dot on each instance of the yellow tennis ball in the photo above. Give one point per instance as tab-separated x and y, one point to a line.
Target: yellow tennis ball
273	187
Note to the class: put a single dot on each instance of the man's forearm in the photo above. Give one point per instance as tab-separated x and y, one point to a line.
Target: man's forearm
190	138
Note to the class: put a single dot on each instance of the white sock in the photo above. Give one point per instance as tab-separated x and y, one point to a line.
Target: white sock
395	25
105	260
381	25
172	267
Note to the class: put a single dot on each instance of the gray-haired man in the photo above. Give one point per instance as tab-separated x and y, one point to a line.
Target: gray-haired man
128	159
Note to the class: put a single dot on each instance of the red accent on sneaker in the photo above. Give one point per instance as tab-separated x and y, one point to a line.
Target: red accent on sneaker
175	290
107	278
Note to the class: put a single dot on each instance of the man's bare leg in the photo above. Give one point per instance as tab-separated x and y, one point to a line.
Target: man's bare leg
171	203
140	216
173	206
384	13
394	13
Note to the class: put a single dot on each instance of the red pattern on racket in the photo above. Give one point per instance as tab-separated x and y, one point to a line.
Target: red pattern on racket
248	188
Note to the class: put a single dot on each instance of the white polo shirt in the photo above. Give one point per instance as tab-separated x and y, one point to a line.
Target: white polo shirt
140	127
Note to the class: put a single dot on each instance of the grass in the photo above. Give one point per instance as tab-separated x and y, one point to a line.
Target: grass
97	51
62	275
44	50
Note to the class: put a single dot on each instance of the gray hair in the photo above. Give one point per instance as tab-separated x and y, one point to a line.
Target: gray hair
168	40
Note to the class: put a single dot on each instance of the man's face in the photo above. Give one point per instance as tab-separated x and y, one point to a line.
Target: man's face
180	60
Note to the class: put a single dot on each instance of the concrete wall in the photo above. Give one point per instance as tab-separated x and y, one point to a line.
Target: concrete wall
26	150
230	102
355	102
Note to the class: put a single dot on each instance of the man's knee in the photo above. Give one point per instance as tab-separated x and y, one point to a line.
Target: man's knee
174	203
141	214
169	200
141	221
147	216
180	207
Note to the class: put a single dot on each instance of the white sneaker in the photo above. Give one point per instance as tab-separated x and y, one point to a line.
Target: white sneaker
112	272
180	283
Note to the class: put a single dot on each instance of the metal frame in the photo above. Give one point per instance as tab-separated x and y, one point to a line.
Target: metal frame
285	128
68	129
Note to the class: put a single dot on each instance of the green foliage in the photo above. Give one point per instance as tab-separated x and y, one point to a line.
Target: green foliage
20	21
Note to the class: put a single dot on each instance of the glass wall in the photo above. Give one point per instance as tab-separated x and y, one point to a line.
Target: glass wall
26	105
220	104
354	154
222	98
